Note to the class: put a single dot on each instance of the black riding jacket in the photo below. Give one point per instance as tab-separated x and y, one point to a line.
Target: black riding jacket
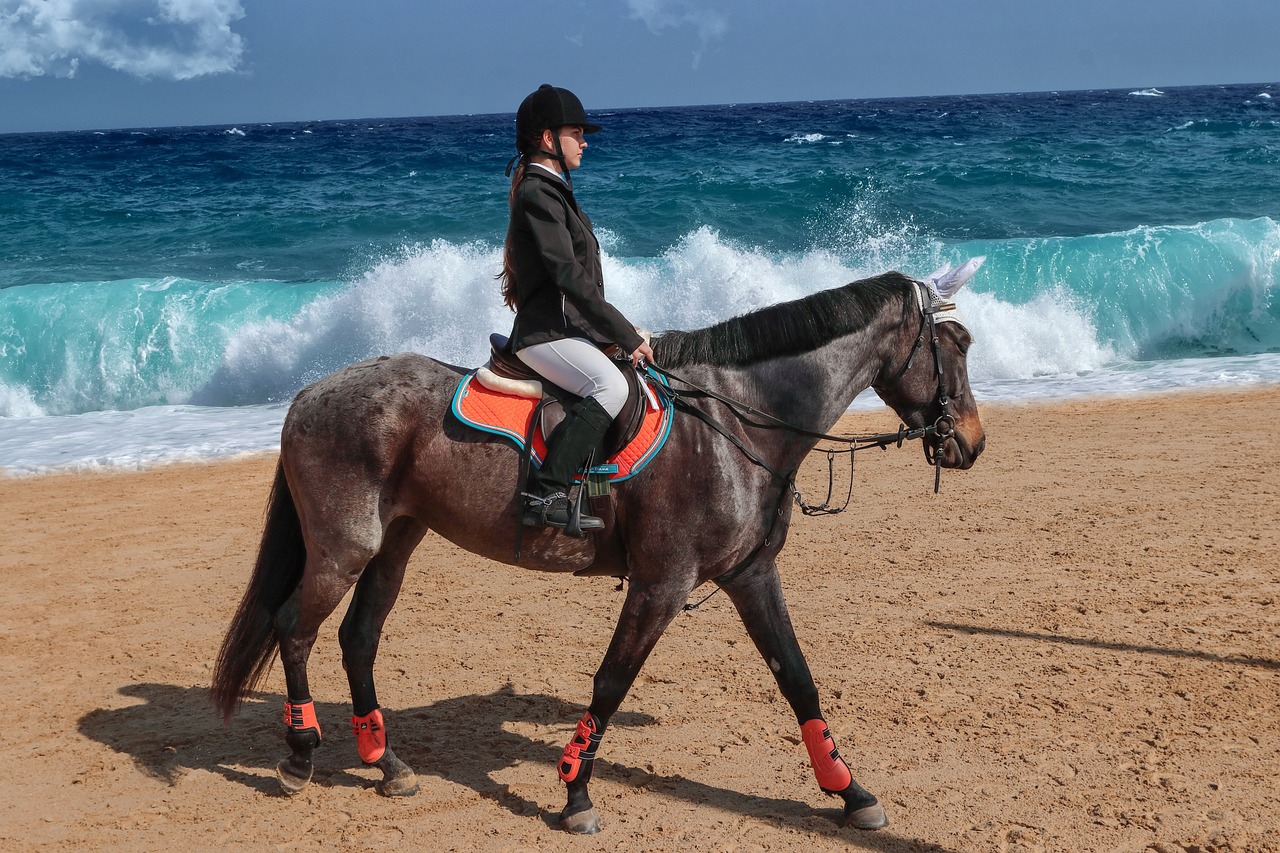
559	285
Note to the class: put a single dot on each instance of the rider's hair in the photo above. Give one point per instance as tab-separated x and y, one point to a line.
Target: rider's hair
508	274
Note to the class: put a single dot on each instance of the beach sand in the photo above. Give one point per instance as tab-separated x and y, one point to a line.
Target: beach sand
1074	646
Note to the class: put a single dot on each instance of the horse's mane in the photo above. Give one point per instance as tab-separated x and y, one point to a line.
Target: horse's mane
787	328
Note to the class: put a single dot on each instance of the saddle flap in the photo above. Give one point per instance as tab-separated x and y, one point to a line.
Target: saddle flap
627	424
622	430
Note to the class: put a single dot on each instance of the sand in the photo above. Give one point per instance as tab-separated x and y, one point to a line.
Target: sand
1075	646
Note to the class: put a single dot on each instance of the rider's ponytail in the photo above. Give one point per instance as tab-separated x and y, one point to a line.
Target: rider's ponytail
508	274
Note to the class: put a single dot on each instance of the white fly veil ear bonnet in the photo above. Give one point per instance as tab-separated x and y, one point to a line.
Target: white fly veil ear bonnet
942	284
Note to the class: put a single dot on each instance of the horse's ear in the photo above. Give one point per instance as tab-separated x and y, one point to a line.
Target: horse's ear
945	281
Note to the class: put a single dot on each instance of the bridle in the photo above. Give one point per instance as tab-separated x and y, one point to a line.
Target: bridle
942	429
934	310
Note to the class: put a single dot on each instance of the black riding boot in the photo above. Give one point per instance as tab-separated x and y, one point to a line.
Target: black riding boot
571	444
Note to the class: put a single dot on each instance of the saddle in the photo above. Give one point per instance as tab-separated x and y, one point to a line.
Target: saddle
506	398
508	374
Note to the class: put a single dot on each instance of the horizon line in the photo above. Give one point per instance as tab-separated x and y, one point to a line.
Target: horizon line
606	110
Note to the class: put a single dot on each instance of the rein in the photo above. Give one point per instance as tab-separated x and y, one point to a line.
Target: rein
853	443
941	429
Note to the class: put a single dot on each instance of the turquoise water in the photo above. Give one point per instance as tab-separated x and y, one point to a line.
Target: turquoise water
166	291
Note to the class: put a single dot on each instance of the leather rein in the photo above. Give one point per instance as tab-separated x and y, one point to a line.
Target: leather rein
941	430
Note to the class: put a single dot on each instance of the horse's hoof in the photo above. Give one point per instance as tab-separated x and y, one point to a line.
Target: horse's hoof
582	823
868	817
398	780
291	781
401	785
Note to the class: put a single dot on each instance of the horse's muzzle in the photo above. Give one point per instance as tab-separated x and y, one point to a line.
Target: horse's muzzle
952	446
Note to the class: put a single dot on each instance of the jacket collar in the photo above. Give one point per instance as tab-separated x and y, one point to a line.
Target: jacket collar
551	178
546	170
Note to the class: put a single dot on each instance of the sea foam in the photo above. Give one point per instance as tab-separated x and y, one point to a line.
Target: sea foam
1039	320
1039	306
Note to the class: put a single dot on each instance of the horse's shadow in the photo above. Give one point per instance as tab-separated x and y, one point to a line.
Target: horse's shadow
462	739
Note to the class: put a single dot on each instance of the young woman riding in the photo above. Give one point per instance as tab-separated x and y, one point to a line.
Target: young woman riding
551	277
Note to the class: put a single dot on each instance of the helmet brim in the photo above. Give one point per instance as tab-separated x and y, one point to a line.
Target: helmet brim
587	127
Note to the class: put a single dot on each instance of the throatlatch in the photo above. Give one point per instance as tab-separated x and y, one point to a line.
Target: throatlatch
371	736
833	774
300	717
581	748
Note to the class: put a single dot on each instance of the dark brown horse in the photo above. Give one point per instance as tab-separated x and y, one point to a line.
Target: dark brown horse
371	459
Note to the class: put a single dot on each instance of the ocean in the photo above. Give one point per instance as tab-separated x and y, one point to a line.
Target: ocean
165	291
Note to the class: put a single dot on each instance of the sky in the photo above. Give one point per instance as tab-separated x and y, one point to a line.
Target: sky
97	64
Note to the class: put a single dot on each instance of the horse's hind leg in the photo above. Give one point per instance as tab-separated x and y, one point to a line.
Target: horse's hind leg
359	635
757	594
330	571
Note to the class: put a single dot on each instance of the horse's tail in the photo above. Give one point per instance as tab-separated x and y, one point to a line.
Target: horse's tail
250	646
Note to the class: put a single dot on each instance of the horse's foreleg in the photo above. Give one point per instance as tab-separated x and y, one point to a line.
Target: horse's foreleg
757	594
647	612
359	635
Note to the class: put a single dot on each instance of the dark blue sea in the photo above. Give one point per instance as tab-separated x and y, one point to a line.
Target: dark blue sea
165	291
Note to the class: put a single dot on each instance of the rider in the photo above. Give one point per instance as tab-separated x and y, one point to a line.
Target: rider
551	277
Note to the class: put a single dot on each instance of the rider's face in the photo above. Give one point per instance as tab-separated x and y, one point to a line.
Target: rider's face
572	144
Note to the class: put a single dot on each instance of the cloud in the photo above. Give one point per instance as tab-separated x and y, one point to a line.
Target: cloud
660	15
163	39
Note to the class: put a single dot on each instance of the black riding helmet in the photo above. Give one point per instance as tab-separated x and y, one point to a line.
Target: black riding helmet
550	107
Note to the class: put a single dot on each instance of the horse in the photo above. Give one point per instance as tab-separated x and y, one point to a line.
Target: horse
372	459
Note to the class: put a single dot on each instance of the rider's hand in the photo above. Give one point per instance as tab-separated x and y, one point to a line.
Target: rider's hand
643	353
